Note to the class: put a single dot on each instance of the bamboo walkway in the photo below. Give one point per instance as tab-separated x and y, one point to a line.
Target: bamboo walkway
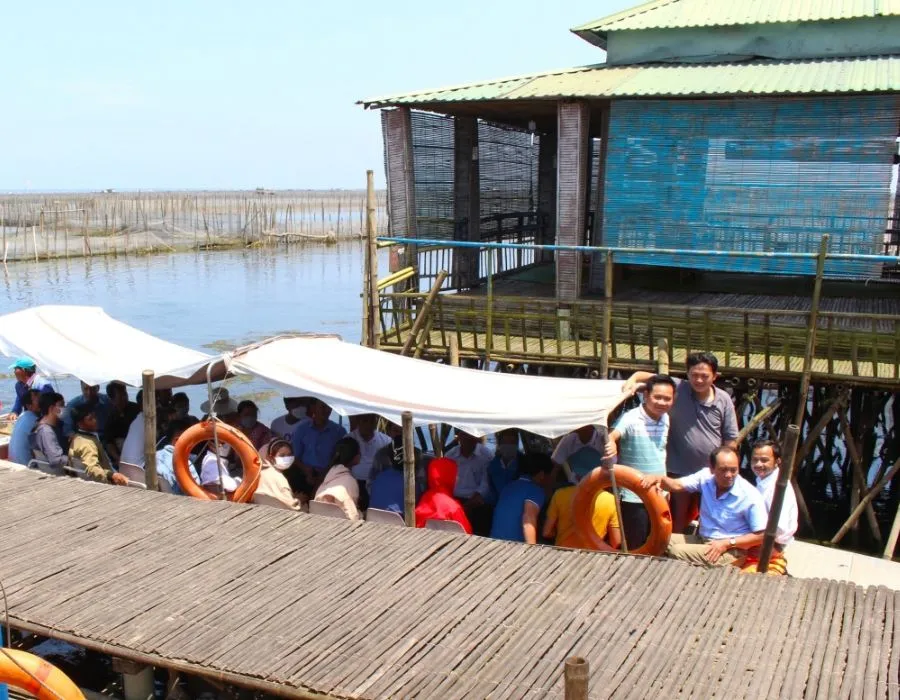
306	606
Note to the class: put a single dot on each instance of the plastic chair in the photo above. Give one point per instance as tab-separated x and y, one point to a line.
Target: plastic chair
445	526
45	467
385	517
76	469
329	510
136	475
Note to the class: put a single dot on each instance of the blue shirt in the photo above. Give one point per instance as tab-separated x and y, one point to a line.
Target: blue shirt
739	511
499	474
642	445
314	446
387	491
37	383
165	469
507	523
19	441
103	407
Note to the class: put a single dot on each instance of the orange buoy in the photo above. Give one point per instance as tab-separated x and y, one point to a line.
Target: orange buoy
36	676
240	443
626	478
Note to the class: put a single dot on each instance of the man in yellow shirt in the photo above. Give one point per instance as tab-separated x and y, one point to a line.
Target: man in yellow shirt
561	520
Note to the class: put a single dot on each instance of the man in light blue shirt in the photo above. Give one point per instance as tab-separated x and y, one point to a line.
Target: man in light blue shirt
19	441
313	444
732	512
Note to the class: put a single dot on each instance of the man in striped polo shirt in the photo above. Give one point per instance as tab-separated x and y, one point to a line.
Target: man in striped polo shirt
640	439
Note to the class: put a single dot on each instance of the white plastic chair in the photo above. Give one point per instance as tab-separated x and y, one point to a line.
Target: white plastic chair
136	475
329	510
445	526
385	517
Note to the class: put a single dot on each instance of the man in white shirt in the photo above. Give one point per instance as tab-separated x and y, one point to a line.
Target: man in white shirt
473	488
370	441
580	451
765	460
297	408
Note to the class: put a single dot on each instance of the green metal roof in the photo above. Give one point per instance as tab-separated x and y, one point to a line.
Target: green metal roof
672	14
764	77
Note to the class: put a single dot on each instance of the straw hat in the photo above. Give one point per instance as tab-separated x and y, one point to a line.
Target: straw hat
224	404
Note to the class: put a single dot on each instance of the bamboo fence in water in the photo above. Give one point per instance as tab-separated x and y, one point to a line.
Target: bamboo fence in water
43	226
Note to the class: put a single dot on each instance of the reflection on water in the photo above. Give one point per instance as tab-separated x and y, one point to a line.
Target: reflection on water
207	300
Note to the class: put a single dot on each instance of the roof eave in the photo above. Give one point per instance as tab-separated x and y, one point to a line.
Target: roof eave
591	36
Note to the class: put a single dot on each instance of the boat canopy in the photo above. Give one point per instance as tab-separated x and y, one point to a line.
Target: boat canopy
86	343
353	379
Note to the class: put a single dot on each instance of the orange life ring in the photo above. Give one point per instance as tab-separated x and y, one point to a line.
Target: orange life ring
626	477
240	443
36	676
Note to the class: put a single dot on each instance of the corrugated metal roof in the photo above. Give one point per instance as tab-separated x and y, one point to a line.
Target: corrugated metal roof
769	77
672	14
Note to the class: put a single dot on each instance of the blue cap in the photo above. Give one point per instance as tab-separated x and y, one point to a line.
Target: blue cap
24	363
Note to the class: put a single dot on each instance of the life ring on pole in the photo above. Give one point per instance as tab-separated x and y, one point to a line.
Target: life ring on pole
626	478
240	443
36	676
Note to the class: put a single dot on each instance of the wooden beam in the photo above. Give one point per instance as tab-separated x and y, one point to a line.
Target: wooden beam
859	481
149	408
869	497
424	313
373	305
409	470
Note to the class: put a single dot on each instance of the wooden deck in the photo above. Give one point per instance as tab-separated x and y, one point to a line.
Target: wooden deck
306	606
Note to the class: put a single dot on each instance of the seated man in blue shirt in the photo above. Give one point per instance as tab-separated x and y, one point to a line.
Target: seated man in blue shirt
164	456
25	371
520	503
313	444
89	395
732	512
19	441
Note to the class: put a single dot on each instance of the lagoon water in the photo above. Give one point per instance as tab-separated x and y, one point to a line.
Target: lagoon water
210	301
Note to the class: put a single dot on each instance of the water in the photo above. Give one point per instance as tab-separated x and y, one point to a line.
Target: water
210	301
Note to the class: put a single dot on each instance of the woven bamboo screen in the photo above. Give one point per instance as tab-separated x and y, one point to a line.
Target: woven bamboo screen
767	175
432	142
508	169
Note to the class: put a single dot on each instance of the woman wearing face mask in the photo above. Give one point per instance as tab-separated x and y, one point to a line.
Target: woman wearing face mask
273	488
215	466
339	485
248	413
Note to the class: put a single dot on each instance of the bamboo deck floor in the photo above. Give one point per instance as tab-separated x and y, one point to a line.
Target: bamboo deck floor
317	607
626	356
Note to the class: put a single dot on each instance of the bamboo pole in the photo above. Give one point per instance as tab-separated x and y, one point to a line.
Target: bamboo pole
859	481
869	497
409	470
757	419
489	327
577	679
783	484
606	350
423	313
891	545
662	357
372	255
149	408
453	351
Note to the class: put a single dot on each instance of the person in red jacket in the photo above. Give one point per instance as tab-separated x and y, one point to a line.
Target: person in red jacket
437	503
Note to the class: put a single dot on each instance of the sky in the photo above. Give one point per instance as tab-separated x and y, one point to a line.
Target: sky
190	94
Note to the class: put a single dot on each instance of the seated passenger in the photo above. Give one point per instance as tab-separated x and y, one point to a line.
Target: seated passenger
517	511
370	440
296	407
339	486
25	371
182	406
438	503
504	468
732	512
258	433
164	466
121	413
87	450
214	469
89	394
579	452
273	488
313	442
20	439
47	436
386	490
560	523
473	488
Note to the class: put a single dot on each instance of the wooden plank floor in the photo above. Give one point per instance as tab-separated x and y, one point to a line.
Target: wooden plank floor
327	608
587	352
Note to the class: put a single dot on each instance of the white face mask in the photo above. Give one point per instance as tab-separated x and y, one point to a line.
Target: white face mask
282	463
298	412
224	449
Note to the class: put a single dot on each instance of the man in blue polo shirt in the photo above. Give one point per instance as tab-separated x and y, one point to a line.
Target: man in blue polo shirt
313	443
732	512
521	500
27	378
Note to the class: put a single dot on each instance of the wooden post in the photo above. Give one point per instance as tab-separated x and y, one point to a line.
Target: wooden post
606	350
149	408
371	263
577	678
453	351
424	312
812	330
789	451
757	419
893	537
489	326
859	483
869	497
662	357
409	470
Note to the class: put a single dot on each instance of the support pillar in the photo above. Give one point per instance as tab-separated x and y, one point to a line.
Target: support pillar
397	127
547	191
466	199
573	120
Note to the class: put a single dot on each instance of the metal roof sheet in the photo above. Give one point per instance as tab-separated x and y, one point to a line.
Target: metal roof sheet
763	77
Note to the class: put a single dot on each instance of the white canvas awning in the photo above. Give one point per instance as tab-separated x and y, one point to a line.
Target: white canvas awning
85	343
354	379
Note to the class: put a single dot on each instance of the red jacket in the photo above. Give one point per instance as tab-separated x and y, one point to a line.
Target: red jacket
437	503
